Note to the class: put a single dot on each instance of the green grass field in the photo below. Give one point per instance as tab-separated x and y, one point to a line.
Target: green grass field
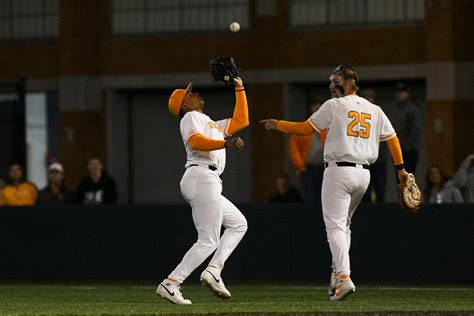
141	300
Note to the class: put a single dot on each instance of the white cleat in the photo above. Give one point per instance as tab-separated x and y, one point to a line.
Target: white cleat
332	284
345	287
215	284
172	292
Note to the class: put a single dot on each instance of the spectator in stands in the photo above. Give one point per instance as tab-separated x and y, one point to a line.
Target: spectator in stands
378	171
55	193
2	185
98	187
464	178
285	193
306	155
439	189
18	191
408	124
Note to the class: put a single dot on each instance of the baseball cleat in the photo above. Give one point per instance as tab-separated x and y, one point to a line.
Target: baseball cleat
332	284
345	287
172	292
215	284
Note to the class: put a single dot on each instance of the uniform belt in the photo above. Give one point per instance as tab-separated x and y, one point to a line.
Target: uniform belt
212	168
347	164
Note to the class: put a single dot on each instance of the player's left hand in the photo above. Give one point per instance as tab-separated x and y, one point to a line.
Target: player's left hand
269	123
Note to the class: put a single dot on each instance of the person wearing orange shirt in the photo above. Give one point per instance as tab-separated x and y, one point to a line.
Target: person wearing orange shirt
18	191
306	155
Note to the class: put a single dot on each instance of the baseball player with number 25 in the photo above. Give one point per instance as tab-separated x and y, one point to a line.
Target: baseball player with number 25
201	187
354	129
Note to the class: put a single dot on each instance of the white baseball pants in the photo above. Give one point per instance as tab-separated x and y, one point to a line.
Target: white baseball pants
343	189
202	189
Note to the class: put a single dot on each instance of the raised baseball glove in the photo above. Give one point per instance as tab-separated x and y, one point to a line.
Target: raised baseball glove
224	69
410	195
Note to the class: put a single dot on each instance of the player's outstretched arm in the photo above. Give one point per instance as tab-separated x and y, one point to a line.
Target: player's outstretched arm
240	119
296	128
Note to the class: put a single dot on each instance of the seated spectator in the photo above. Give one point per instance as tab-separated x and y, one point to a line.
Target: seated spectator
18	191
285	193
56	192
97	187
464	178
2	185
439	189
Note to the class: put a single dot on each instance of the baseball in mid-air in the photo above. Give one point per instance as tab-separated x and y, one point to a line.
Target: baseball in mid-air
234	27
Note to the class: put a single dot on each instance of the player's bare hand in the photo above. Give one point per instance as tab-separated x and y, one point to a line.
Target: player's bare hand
235	143
238	83
269	124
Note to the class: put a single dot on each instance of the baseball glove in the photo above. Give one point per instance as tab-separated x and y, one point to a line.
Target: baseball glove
410	195
224	69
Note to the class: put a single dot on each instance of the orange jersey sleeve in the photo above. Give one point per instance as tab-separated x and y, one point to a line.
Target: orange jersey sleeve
395	150
296	156
240	120
296	128
322	136
200	142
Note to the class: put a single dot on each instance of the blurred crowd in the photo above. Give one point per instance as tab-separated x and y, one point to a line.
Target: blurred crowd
96	188
306	155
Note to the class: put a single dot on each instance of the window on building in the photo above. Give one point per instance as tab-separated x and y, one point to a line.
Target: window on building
28	19
173	16
355	12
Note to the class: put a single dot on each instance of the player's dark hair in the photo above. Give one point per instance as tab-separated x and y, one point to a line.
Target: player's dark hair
347	72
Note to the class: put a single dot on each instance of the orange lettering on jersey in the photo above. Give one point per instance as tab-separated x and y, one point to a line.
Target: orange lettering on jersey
215	125
360	120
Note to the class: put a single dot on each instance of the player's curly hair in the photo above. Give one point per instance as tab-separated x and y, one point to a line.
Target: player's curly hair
349	73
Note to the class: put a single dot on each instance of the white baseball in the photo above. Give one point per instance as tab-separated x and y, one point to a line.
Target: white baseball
234	27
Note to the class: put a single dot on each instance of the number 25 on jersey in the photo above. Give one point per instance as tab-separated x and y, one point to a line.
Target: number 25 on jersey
359	120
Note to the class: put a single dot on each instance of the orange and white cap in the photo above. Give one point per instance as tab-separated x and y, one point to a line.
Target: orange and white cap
177	97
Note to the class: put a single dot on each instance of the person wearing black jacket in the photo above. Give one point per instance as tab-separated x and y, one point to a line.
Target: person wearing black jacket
55	193
98	187
285	193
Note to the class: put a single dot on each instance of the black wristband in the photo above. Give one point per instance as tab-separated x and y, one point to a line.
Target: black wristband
400	166
225	144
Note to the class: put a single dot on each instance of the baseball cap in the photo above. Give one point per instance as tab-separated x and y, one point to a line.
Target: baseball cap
56	166
402	87
177	97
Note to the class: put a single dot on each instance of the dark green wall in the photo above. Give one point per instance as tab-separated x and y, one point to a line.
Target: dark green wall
282	243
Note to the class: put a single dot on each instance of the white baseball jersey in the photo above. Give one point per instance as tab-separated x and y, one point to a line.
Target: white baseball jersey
198	123
355	127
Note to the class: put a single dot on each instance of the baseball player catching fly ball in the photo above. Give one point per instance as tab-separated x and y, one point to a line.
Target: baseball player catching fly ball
201	187
354	129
